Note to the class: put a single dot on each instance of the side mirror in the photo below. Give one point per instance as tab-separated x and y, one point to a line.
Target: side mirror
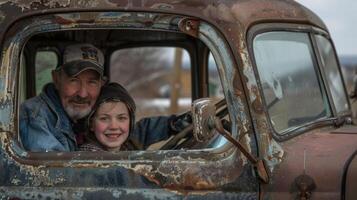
203	116
205	123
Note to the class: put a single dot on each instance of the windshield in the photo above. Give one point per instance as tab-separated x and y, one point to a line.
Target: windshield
291	84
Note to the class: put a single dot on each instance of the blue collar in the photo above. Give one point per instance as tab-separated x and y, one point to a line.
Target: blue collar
51	97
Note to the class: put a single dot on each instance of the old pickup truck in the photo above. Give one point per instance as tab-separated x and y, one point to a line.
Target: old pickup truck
257	82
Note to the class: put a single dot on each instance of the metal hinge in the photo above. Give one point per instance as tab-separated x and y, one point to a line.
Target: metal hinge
189	26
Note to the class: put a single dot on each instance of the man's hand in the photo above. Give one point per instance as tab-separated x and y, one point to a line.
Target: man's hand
180	122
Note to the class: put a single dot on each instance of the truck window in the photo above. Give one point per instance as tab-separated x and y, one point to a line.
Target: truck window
160	81
289	79
167	70
163	76
45	62
215	89
335	82
215	92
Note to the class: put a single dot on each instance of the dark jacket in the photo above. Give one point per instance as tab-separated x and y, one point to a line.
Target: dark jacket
44	124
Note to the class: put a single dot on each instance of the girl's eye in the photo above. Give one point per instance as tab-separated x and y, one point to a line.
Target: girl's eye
103	119
123	118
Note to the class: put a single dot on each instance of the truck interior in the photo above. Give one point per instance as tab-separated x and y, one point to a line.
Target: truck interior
178	67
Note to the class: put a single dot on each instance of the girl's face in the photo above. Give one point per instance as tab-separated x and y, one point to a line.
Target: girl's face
111	124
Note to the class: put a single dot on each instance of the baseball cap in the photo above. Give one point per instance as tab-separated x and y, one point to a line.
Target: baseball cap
80	57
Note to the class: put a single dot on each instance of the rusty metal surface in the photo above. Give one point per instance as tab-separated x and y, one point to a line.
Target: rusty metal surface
189	26
346	130
140	21
224	12
237	18
112	193
178	175
176	170
324	160
196	174
304	186
180	171
351	179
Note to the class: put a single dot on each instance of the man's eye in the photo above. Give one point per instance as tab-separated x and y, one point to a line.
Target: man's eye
73	80
94	82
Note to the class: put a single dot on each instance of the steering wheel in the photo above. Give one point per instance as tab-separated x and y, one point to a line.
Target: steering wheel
187	132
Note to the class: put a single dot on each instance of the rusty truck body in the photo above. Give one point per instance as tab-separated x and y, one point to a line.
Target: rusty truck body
283	100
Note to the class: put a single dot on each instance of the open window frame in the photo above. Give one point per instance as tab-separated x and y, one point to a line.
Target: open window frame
188	164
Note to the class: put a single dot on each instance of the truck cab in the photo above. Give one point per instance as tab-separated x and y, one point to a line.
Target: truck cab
257	83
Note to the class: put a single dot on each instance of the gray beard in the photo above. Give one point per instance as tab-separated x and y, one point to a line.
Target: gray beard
75	114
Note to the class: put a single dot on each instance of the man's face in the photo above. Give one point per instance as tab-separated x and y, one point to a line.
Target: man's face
78	94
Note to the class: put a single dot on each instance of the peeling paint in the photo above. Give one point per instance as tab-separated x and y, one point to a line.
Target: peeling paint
224	171
15	181
26	5
162	6
37	175
220	12
143	168
246	140
275	155
41	4
6	113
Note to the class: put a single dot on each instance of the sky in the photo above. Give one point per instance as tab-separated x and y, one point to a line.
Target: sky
340	16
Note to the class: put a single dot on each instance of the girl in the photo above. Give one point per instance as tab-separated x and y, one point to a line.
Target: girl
110	121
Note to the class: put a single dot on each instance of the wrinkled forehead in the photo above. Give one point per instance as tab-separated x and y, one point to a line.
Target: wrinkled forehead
85	74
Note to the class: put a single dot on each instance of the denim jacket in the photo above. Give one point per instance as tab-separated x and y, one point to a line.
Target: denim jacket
148	131
44	124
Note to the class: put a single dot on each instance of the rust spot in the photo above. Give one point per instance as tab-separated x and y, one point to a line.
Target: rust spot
220	12
62	20
238	93
197	178
257	103
162	6
189	26
257	106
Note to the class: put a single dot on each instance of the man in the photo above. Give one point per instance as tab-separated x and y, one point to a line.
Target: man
46	120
